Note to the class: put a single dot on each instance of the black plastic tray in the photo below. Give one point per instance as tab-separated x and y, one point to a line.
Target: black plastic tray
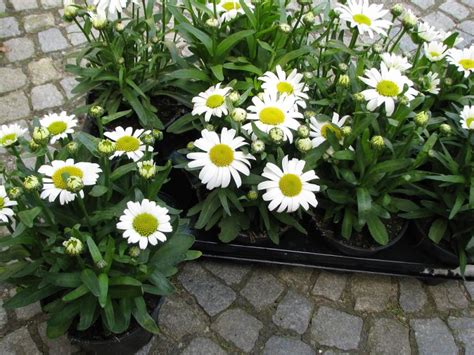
406	258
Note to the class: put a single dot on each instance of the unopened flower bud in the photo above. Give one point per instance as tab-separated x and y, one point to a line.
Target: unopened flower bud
406	177
285	28
72	147
397	10
106	147
101	264
308	114
146	169
210	127
344	81
239	115
304	145
333	14
119	26
190	146
404	100
445	129
99	21
309	18
277	135
258	146
308	75
377	48
121	60
34	146
377	143
212	22
421	119
234	96
14	192
41	135
31	183
70	12
134	252
342	67
304	2
252	195
157	134
303	131
358	97
431	153
96	111
90	8
409	19
148	138
74	183
155	40
346	131
448	81
73	246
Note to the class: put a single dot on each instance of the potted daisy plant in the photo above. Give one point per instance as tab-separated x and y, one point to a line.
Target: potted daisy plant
89	235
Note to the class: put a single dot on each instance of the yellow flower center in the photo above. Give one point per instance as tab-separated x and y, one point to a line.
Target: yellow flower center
284	87
145	224
221	155
435	54
469	121
387	88
61	175
362	19
228	6
127	144
2	202
215	101
330	127
57	127
467	63
290	185
8	139
272	116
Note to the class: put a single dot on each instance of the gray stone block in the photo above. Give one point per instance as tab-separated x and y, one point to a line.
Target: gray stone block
277	345
412	296
20	5
38	22
68	84
43	71
52	40
330	285
463	328
18	342
49	4
293	312
262	289
27	312
14	106
372	293
19	49
449	295
203	346
9	27
231	274
433	337
46	96
12	79
389	337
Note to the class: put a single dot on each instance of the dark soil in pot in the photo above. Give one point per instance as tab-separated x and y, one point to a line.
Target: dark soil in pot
93	340
360	244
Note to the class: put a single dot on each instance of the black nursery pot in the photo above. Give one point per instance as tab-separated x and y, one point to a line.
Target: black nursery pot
344	247
122	344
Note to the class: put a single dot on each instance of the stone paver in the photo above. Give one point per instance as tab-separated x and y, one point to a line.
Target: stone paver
68	84
335	328
9	27
49	4
412	296
43	71
389	337
231	274
372	293
12	79
433	337
27	312
293	312
20	5
60	345
463	328
14	106
203	346
3	316
18	342
52	40
239	328
19	49
38	22
297	277
330	285
46	96
284	345
262	289
448	295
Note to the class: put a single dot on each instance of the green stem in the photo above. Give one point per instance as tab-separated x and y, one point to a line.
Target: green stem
355	35
417	55
82	29
80	202
398	39
46	211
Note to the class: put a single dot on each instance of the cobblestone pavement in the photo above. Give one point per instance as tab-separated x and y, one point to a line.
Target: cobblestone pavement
227	308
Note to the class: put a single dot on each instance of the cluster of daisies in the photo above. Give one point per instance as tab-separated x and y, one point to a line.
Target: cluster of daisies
64	180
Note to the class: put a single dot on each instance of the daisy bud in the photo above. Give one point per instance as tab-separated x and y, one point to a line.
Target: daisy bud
157	134
342	67
258	146
72	147
304	2
34	146
308	114
404	101
333	14
261	95
308	18
406	177
190	146
377	143
99	22
134	252
358	97
431	153
106	147
421	119
234	96
148	138
377	48
308	75
448	81
121	60
155	40
304	145
96	111
146	169
14	192
285	28
73	246
119	26
346	131
397	10
70	12
41	135
445	129
74	184
31	183
90	8
409	20
212	22
277	135
252	195
239	115
303	131
344	81
101	264
210	127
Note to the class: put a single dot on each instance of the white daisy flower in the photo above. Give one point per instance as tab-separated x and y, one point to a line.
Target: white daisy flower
9	134
435	51
446	34
59	126
393	61
364	17
432	83
319	130
220	160
113	6
144	223
272	111
428	33
387	85
463	59
467	115
5	203
56	175
128	142
289	188
291	85
230	9
211	102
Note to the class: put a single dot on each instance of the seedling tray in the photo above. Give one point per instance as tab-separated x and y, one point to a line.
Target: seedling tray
406	258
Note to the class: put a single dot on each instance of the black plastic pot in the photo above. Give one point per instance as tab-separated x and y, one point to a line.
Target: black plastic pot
347	249
125	344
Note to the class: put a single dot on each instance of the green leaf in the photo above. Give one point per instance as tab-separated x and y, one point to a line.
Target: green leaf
218	72
346	229
182	124
110	118
229	229
288	220
64	279
163	286
88	141
231	41
377	229
457	204
90	280
109	314
140	313
98	190
94	250
87	314
124	281
60	321
189	74
76	293
438	229
364	202
200	35
103	289
28	216
30	295
290	56
122	170
344	155
223	198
